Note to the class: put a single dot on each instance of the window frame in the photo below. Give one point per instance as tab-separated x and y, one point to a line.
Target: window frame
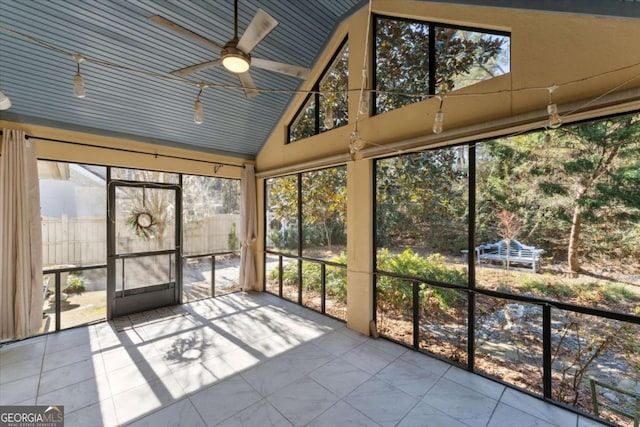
431	87
315	95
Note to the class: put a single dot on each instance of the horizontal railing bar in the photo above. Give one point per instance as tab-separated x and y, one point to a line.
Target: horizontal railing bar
486	292
209	254
563	306
304	258
143	254
522	298
421	280
153	185
73	269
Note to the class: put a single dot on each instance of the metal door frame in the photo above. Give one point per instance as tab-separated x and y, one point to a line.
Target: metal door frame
112	256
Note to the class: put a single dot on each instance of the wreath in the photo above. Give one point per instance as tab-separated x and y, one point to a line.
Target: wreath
143	224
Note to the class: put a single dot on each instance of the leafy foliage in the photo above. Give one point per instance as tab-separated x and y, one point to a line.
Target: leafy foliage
331	105
427	190
409	263
75	285
336	279
578	189
402	60
323	205
233	243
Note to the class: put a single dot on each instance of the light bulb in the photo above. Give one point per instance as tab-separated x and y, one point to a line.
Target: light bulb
437	122
198	112
328	117
554	118
355	143
363	110
78	86
5	102
198	108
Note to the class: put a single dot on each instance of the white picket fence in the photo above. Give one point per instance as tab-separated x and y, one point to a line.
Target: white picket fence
83	241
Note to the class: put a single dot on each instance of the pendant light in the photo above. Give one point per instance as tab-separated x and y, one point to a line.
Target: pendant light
78	82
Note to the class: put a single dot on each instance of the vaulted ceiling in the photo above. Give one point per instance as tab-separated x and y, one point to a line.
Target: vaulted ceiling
130	92
39	79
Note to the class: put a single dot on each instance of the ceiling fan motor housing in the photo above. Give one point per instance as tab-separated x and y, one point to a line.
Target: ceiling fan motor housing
234	59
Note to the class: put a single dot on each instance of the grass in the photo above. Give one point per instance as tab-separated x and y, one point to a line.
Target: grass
617	292
592	291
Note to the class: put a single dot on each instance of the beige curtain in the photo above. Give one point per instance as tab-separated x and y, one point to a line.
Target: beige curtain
21	296
248	230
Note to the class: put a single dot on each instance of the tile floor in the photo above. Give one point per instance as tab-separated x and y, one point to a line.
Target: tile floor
254	360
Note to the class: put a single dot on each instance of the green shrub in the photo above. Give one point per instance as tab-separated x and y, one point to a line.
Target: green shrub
556	290
390	290
75	285
617	292
409	263
336	278
274	237
232	239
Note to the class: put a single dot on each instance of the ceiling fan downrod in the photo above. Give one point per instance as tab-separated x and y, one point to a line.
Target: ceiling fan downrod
235	20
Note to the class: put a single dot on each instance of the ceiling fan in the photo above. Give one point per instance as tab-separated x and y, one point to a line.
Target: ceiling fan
235	55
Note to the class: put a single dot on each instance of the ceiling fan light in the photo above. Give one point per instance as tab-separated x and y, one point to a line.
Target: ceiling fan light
235	60
5	102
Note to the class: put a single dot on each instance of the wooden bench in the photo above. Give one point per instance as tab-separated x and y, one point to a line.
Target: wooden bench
626	402
518	254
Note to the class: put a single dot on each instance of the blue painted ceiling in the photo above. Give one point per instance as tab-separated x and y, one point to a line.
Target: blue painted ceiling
39	80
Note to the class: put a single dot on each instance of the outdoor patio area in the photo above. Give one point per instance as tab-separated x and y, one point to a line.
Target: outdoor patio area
252	359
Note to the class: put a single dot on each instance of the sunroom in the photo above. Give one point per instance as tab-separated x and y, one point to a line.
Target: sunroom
394	213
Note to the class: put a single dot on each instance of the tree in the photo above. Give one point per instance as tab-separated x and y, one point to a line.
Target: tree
576	186
511	227
323	205
282	211
427	190
598	175
332	102
402	60
324	200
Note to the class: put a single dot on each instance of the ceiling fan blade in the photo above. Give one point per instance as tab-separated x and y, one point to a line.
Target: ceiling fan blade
195	68
281	67
181	30
247	84
261	25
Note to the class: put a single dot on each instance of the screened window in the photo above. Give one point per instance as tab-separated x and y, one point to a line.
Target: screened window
421	231
305	258
414	59
326	108
210	236
505	253
324	210
282	214
73	202
211	214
